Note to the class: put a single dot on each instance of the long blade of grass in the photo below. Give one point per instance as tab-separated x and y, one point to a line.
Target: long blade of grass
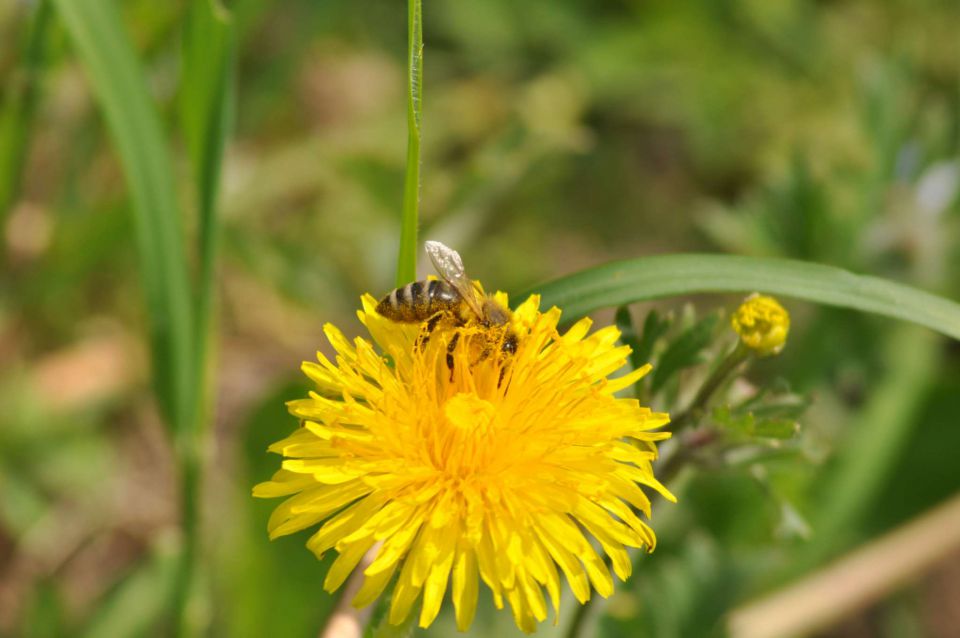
19	106
645	278
206	106
407	263
97	34
851	483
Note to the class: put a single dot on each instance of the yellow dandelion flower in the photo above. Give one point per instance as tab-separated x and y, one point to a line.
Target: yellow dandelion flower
762	323
510	470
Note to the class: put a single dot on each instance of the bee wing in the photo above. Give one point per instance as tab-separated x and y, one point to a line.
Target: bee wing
450	267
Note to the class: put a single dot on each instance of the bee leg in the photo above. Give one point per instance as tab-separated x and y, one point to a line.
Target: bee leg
428	330
450	349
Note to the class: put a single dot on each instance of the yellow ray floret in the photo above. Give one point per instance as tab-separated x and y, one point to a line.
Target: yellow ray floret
508	469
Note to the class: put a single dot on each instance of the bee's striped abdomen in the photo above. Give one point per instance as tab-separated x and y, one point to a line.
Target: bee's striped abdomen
418	301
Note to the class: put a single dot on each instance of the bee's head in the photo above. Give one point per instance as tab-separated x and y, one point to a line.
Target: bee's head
494	314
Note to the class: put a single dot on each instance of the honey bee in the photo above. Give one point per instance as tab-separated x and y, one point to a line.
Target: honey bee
451	301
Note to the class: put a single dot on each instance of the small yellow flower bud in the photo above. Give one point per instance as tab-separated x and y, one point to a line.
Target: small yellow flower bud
762	324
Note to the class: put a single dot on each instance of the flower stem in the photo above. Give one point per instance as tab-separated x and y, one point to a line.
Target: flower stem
407	262
692	415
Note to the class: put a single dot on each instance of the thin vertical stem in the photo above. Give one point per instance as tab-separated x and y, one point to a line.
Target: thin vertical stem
190	470
206	102
407	262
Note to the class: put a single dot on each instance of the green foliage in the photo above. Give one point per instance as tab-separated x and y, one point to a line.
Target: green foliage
685	350
770	413
642	344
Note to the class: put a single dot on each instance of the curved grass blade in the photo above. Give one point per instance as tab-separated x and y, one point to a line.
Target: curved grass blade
98	36
645	278
206	109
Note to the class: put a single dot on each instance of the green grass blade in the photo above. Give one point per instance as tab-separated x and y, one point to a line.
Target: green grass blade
206	106
407	263
660	276
851	484
205	103
19	106
98	36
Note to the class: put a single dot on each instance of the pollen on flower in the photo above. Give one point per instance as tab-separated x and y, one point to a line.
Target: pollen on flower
508	469
762	323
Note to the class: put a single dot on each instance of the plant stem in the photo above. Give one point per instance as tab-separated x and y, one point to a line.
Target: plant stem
206	100
189	456
19	107
692	415
407	262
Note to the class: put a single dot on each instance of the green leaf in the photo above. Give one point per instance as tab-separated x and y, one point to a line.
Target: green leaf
660	276
685	350
750	425
118	82
777	428
206	106
628	335
206	77
654	327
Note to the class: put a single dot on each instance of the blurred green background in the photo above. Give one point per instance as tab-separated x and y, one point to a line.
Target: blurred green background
557	135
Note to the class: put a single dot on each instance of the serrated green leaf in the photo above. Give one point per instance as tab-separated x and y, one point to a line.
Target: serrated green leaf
751	425
685	351
645	278
723	416
628	334
654	327
775	428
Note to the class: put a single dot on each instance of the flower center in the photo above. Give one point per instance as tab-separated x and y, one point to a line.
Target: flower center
465	435
469	414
